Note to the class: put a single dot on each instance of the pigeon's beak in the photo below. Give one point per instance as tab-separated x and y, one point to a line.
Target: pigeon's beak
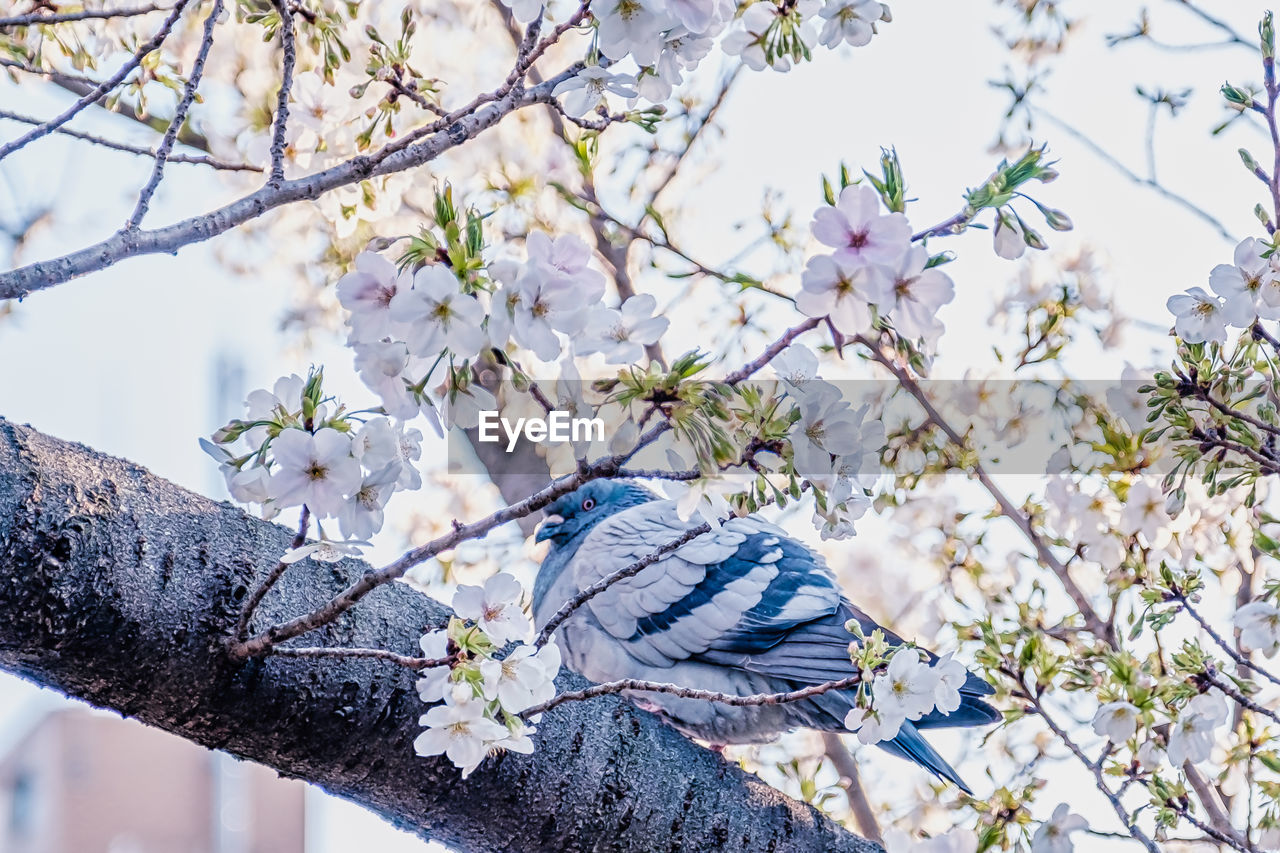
550	525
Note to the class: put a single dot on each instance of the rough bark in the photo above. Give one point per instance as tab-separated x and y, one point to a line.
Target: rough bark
118	588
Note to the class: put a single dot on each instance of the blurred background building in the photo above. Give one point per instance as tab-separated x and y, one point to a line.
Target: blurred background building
81	781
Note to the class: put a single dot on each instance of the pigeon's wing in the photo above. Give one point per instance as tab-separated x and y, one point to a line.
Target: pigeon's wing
744	585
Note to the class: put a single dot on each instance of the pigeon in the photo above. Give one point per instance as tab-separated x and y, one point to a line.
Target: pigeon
741	609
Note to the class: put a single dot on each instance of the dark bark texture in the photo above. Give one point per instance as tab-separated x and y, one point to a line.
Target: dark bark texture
118	587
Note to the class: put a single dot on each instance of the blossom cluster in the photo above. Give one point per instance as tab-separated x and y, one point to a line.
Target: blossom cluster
1245	290
876	271
666	38
909	688
481	696
415	331
832	443
298	448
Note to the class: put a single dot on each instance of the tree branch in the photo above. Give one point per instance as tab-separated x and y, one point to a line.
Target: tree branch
40	18
396	157
179	118
102	88
106	568
193	159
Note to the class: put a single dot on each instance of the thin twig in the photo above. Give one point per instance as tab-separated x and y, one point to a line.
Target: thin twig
708	118
36	18
1093	622
282	98
735	700
1111	160
252	602
1211	676
406	661
1230	31
847	766
179	116
1217	817
193	159
102	88
1094	767
1232	653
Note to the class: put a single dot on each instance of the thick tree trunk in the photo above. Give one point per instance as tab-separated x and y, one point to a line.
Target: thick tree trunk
118	588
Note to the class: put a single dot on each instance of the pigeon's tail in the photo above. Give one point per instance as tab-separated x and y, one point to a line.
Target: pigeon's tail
911	745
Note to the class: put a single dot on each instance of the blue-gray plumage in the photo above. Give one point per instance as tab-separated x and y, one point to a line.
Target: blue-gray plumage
741	610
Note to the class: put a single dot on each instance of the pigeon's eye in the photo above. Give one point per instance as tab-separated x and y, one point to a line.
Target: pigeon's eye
589	504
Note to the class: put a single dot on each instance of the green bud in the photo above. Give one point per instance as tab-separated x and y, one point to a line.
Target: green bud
1247	158
1236	96
1267	34
1057	220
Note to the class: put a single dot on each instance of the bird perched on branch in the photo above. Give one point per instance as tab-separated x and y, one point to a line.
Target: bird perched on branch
742	610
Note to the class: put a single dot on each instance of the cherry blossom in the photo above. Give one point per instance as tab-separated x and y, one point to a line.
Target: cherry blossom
1116	721
1259	625
523	678
1054	835
917	293
361	516
1191	736
952	675
460	729
907	688
314	469
849	21
586	90
1201	317
844	289
621	335
367	292
434	682
324	550
873	726
856	228
1250	286
438	314
495	607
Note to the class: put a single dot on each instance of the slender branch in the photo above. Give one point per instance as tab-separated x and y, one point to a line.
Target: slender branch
1094	767
1232	653
1211	676
102	88
1217	817
847	767
396	157
947	226
1230	31
255	598
1231	840
398	86
281	128
37	18
1111	160
691	693
179	117
708	118
406	661
193	159
47	73
1202	393
1093	622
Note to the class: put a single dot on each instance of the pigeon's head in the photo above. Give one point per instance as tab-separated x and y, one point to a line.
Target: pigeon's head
577	512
